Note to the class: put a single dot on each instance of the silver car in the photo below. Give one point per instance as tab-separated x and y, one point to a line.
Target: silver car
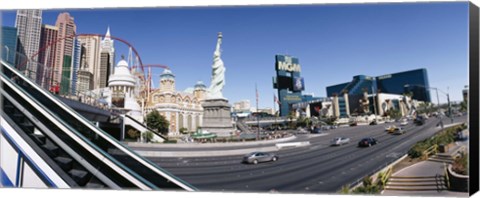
256	157
399	131
340	141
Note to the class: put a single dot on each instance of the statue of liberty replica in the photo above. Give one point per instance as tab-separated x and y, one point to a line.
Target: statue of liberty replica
218	72
216	110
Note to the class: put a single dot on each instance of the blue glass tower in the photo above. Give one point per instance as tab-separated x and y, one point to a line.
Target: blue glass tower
76	65
9	43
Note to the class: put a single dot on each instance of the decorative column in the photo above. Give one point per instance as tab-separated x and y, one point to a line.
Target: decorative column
347	106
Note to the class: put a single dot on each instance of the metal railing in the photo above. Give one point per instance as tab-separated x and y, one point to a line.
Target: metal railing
386	176
447	179
433	149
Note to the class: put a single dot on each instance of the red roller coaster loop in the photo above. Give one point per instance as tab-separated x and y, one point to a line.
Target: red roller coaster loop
140	63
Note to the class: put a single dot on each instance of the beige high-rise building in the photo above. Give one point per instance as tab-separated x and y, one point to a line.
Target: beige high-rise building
64	56
91	46
46	57
84	81
28	24
89	63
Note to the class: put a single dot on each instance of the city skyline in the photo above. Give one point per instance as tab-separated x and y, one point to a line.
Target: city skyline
425	35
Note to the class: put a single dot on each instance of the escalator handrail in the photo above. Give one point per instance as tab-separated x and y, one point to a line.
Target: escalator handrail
104	135
136	121
72	133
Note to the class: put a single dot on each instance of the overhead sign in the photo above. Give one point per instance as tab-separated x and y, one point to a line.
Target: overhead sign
287	63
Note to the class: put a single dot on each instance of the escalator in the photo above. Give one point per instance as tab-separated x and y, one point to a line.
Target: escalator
242	126
82	154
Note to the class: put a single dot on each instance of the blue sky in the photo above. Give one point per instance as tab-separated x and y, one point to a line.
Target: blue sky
332	42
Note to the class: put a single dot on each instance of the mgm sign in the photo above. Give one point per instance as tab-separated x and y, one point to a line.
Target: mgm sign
287	63
288	82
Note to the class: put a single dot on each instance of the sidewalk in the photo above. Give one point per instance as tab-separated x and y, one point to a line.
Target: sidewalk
424	171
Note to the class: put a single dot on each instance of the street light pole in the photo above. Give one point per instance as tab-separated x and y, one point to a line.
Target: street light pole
8	52
438	107
449	106
438	101
374	104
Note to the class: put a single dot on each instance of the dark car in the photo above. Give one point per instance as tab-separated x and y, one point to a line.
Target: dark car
420	120
369	141
256	157
317	130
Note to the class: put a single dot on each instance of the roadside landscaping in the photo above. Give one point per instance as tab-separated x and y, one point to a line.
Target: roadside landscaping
440	142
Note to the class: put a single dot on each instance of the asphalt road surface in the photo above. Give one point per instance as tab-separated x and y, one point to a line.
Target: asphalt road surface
318	168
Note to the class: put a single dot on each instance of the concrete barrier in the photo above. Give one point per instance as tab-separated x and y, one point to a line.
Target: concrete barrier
291	144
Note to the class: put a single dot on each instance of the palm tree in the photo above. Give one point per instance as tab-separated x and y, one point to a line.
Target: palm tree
291	117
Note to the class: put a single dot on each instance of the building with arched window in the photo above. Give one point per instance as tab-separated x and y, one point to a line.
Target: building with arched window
183	109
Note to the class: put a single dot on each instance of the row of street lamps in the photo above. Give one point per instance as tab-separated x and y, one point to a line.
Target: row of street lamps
438	102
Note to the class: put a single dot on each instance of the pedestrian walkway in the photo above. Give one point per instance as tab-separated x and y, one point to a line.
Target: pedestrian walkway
424	178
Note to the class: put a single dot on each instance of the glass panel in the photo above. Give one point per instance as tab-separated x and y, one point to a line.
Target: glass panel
108	144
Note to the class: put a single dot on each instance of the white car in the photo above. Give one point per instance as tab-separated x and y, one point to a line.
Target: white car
302	131
389	121
340	141
399	131
404	123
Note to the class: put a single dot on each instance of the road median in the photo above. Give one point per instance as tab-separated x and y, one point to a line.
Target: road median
205	153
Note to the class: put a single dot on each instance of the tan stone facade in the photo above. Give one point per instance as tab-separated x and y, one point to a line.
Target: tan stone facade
181	109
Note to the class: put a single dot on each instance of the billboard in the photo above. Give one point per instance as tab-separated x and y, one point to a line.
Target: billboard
298	84
284	82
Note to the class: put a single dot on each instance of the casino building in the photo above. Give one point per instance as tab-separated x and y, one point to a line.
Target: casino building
362	96
366	94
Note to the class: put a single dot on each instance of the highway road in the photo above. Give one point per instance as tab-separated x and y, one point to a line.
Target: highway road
318	168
